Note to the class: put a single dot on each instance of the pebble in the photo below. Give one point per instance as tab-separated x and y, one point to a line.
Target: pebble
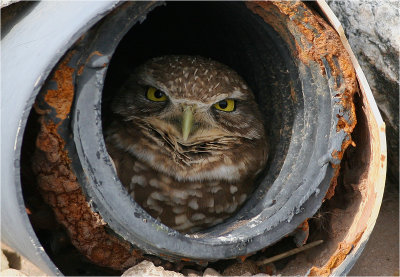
11	272
147	268
211	272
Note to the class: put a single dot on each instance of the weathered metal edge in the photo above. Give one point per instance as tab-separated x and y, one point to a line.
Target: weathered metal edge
377	167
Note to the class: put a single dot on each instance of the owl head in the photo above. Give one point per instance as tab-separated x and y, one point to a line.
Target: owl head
192	118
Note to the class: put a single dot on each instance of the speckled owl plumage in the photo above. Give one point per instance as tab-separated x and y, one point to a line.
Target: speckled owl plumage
198	182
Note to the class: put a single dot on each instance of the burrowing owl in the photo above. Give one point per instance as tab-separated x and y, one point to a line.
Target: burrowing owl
187	140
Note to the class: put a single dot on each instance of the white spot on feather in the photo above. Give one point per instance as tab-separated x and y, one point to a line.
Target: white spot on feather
233	189
198	216
139	179
152	204
196	193
193	204
242	198
178	210
215	189
157	196
154	183
180	219
181	194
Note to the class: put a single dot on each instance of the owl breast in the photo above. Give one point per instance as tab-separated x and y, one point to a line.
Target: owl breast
186	206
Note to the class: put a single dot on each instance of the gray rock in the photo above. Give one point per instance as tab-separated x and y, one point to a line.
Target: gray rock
209	272
373	30
147	268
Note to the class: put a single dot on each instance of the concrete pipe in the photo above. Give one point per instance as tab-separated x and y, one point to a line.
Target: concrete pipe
311	92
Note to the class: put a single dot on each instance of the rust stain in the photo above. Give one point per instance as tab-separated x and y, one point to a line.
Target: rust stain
244	257
344	125
331	190
97	53
272	15
61	98
80	70
337	155
310	38
304	226
60	188
317	40
337	258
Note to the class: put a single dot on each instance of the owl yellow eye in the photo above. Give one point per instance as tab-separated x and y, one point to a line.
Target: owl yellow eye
227	105
156	95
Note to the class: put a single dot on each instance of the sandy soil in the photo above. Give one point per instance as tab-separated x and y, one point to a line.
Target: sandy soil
381	254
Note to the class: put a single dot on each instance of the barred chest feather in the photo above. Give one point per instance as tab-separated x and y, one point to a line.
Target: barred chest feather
184	206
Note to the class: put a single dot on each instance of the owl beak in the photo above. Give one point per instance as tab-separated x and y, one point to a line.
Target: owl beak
187	121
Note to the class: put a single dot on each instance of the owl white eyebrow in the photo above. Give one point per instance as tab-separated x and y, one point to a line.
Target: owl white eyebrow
237	94
184	101
150	81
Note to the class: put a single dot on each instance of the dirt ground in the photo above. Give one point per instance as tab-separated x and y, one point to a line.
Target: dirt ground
381	254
